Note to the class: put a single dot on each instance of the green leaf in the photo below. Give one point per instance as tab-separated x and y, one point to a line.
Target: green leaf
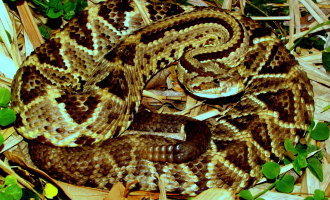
28	195
286	161
311	148
69	9
4	97
326	60
302	150
298	163
286	184
309	198
319	194
312	29
260	199
4	196
289	146
10	180
321	131
44	32
55	9
311	127
245	194
316	168
15	191
1	139
7	116
271	170
81	5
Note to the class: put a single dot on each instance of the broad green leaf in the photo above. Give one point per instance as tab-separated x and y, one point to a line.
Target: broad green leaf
298	163
309	198
311	148
289	146
319	194
245	194
4	196
260	199
271	170
44	32
15	191
4	97
10	180
326	60
321	132
53	14
302	150
286	184
69	9
55	9
316	168
7	116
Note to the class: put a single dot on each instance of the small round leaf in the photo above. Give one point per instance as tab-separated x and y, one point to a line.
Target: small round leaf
245	194
7	116
10	180
15	191
271	170
321	132
289	146
4	97
286	184
50	191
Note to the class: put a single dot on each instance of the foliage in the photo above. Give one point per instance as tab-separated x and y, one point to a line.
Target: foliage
55	8
298	156
7	115
271	171
300	152
318	195
10	190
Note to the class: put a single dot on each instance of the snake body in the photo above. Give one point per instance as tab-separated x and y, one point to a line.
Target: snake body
84	86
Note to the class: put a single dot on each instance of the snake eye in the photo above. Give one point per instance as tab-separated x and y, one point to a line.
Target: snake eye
216	81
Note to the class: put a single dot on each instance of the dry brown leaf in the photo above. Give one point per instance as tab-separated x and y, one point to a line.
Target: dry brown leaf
197	2
158	80
117	192
81	193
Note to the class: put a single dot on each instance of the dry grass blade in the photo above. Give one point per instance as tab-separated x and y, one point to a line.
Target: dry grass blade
144	14
313	73
29	24
216	194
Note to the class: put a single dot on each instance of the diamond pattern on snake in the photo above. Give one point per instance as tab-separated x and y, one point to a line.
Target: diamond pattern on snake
78	92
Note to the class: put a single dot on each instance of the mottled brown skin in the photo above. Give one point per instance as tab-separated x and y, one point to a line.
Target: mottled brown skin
277	101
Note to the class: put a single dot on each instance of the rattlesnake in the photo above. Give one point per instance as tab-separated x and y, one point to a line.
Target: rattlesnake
84	86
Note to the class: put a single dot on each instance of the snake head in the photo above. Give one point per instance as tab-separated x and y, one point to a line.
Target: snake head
211	80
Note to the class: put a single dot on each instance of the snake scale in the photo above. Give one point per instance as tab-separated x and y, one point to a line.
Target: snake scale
84	86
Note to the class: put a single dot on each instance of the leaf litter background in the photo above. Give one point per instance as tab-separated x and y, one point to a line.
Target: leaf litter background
163	94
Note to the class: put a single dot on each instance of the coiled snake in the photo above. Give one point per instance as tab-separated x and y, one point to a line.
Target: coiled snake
84	86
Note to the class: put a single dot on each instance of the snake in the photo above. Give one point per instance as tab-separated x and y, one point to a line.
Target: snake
76	94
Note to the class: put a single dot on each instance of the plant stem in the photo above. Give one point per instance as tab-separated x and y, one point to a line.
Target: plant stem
269	188
266	190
